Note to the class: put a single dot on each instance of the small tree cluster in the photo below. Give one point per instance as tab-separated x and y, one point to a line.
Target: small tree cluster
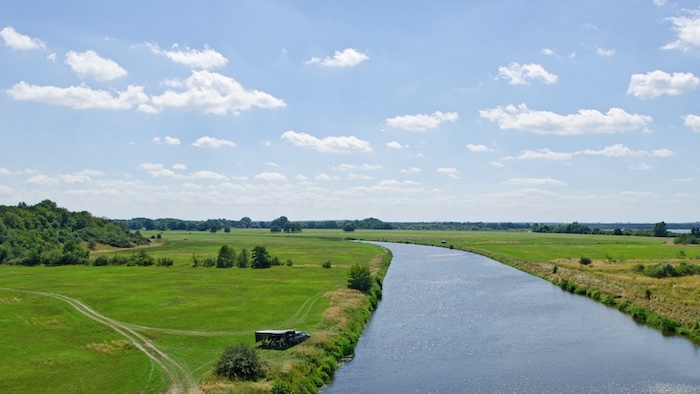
239	362
360	277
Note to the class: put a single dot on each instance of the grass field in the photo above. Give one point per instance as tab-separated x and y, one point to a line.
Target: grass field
192	314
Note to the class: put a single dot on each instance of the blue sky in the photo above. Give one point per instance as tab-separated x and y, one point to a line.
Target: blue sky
526	111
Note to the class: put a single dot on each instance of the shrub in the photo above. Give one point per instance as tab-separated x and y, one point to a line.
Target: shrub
239	361
360	277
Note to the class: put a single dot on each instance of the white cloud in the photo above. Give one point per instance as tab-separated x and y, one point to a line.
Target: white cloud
205	59
325	177
411	170
522	74
208	175
641	167
534	182
604	52
586	121
214	93
366	167
327	144
656	83
79	97
478	148
451	172
546	154
90	64
349	57
271	176
395	145
619	150
167	140
688	31
692	121
211	142
15	40
422	122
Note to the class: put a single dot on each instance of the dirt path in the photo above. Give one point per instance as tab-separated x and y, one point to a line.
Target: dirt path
182	381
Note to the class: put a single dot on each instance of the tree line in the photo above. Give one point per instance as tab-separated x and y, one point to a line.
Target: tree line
49	235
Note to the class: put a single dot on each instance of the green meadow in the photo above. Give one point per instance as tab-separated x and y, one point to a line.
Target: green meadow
192	314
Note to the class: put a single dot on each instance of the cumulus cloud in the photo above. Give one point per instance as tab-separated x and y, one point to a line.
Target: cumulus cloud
656	83
692	121
213	93
395	145
89	64
478	148
211	142
534	182
79	97
167	140
348	57
271	176
451	172
619	150
546	154
422	122
586	121
364	167
687	29
604	52
327	144
16	40
522	74
205	59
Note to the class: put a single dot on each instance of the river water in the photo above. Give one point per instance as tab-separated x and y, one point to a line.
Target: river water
456	322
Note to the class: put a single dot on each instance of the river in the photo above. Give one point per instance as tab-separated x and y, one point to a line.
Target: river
456	322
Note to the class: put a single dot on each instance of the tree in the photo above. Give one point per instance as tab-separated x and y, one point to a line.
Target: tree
660	230
243	259
260	257
239	361
226	257
360	277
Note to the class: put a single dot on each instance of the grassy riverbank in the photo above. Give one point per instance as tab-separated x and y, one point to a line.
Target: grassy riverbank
190	314
671	304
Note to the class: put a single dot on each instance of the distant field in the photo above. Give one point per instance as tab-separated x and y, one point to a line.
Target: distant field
190	313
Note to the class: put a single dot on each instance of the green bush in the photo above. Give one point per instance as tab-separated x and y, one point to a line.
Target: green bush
239	362
360	277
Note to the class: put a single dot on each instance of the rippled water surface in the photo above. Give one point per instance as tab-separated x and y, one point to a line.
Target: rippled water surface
456	322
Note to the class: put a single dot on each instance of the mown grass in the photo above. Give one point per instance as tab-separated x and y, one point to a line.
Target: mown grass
192	313
47	346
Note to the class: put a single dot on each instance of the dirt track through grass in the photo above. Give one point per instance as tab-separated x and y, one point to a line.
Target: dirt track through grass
181	379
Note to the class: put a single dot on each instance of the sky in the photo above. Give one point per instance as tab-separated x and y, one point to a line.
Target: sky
480	110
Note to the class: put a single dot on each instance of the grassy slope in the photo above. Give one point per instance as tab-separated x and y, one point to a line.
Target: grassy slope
192	313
